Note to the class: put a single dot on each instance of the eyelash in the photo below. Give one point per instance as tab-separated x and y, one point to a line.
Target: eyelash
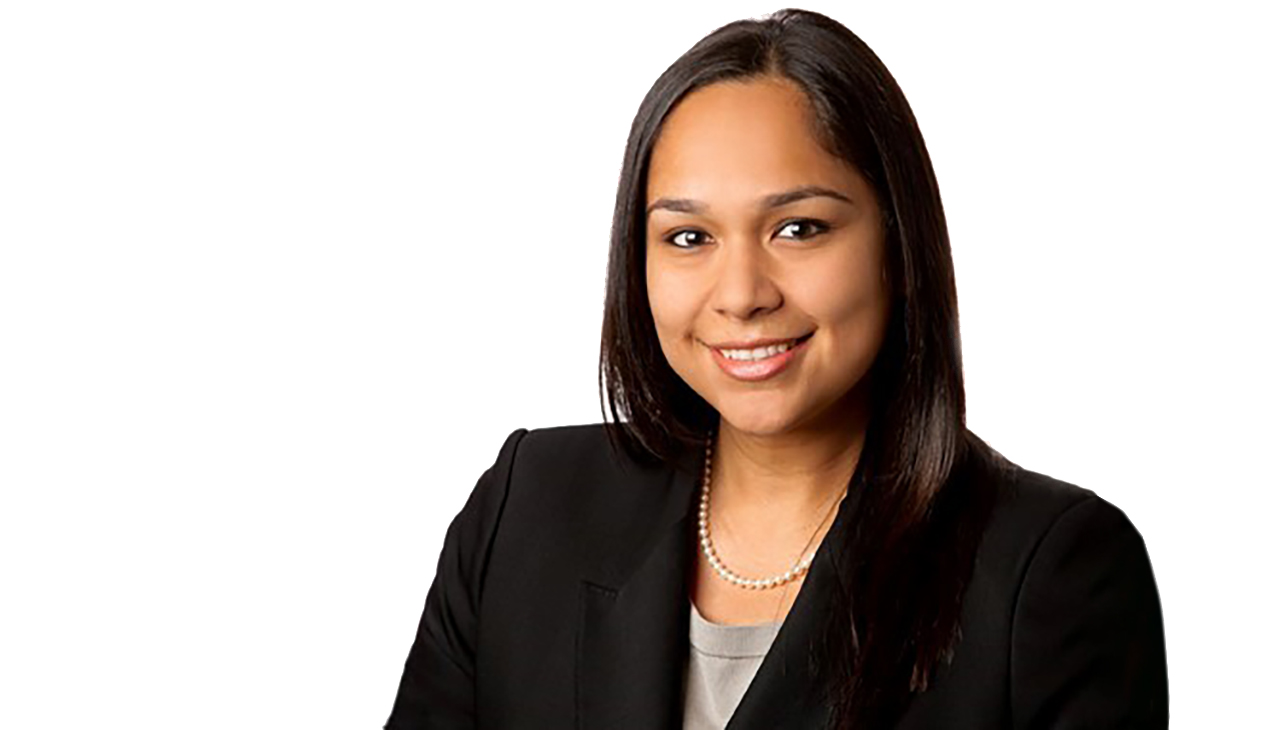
818	226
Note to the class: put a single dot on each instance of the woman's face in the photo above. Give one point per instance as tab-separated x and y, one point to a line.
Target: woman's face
756	233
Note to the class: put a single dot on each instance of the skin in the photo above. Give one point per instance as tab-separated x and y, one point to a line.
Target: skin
722	268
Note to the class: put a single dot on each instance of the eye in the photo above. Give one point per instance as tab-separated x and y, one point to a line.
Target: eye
688	243
813	227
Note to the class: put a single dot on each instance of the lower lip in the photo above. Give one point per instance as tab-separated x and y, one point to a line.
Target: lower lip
756	370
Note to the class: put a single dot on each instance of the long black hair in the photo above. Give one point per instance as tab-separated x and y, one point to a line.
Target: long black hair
919	519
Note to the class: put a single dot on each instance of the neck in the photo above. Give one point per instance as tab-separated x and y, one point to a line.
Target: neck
789	475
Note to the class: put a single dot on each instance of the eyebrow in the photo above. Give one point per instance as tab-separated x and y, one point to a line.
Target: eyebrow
776	200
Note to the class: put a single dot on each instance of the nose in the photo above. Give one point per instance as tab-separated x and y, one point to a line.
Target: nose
744	285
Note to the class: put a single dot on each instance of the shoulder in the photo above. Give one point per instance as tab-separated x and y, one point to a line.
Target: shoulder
1055	522
1063	583
567	505
553	448
570	453
558	457
1084	614
535	466
1040	526
1029	507
550	452
572	474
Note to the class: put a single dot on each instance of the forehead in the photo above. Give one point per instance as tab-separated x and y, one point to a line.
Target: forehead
738	139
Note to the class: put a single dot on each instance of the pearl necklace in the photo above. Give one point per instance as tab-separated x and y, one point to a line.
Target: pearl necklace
709	550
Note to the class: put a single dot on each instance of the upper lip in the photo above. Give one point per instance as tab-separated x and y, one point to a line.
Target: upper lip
752	344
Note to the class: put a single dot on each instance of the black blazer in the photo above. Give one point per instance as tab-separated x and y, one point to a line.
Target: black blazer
561	600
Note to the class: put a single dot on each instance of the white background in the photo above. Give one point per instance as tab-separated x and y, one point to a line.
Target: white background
276	280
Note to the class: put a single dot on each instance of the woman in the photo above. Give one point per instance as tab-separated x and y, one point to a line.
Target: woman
787	525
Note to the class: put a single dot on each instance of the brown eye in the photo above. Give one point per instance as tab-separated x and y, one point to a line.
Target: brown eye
675	239
807	228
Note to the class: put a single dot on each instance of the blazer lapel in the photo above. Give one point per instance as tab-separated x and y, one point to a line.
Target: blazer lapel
634	608
633	640
786	691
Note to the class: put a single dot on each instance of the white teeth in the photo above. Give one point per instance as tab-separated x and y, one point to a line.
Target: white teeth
758	353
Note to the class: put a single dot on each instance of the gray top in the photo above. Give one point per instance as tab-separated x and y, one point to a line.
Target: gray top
722	661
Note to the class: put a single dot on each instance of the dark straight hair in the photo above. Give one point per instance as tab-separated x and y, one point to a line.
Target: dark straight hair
918	521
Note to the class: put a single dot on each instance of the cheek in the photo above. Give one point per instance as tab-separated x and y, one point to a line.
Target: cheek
671	304
668	322
854	306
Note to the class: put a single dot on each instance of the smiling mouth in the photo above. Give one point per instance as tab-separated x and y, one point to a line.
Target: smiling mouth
761	353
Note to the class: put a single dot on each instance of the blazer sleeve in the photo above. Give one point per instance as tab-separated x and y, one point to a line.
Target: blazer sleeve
437	688
1088	638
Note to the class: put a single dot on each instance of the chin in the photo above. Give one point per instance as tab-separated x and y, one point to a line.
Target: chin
757	420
